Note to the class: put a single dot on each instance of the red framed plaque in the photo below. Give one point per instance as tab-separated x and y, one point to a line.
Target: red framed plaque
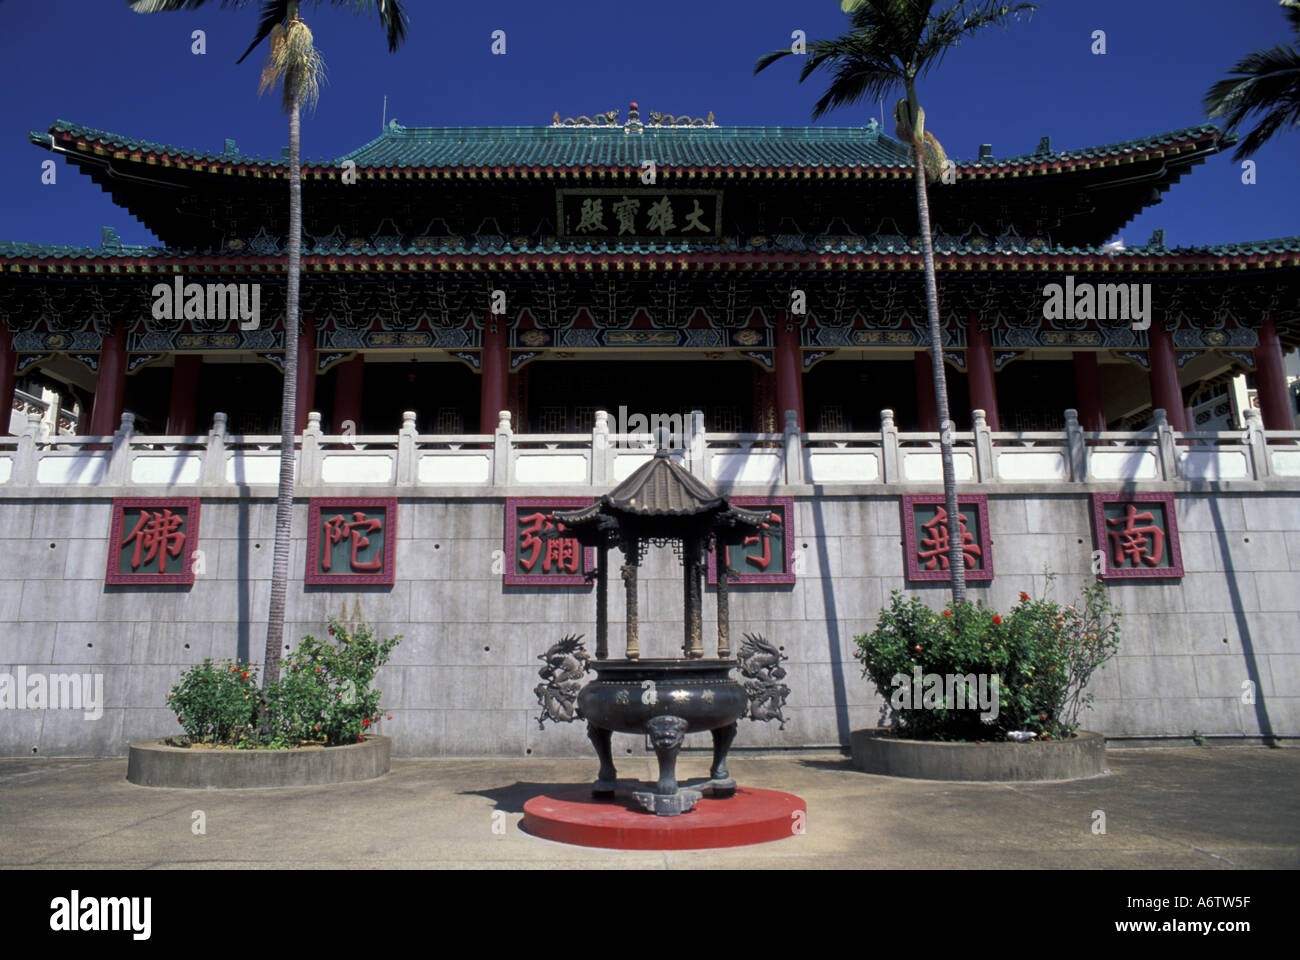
152	540
766	557
925	536
531	557
1137	535
351	541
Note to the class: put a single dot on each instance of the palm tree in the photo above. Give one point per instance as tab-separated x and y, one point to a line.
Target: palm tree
1265	82
890	44
295	62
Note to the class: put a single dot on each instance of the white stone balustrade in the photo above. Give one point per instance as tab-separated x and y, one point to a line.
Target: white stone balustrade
601	458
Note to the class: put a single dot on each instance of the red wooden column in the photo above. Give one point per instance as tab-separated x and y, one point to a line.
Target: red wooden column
182	412
1087	389
494	361
1271	388
979	372
789	373
348	379
306	374
1165	391
110	391
926	408
8	378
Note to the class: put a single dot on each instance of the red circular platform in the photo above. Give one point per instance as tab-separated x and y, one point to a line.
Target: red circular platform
751	816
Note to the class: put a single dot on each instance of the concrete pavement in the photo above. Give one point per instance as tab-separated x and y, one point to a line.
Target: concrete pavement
1176	808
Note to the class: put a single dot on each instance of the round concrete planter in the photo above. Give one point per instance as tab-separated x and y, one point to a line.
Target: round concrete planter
876	751
152	763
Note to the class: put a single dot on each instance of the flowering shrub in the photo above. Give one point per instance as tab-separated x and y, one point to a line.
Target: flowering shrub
1040	653
323	695
217	702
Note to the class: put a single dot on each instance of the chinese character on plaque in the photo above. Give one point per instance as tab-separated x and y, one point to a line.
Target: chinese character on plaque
766	556
152	540
926	539
533	555
351	540
636	214
1137	534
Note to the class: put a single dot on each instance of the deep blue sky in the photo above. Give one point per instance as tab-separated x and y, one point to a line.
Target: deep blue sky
94	62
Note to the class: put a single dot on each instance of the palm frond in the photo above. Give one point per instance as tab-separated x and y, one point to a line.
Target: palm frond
273	12
163	6
767	59
952	26
295	62
1267	83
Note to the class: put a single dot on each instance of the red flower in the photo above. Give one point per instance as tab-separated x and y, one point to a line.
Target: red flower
365	722
947	613
360	738
997	618
390	716
1023	595
1042	716
917	648
244	675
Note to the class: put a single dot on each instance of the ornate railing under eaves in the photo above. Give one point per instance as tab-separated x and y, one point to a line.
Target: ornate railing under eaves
411	460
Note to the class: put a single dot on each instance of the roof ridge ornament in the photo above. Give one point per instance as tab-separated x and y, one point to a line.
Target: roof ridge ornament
607	119
633	124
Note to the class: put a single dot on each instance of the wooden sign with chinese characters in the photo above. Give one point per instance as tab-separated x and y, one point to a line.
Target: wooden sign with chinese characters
351	540
152	540
925	537
533	558
766	557
611	213
1137	535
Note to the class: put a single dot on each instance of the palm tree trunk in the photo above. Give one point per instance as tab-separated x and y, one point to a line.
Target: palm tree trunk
288	409
956	557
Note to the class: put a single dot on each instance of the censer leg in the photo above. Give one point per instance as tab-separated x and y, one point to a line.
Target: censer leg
607	778
723	785
666	735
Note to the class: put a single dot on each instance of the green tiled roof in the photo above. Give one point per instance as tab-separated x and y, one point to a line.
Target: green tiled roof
17	250
119	142
612	147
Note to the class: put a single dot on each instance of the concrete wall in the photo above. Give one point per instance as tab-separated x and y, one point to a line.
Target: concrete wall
460	683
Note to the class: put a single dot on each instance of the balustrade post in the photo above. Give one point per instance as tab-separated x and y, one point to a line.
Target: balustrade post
118	471
501	473
406	468
214	457
984	471
1256	445
1078	450
25	457
1165	446
600	452
694	442
889	466
309	473
793	448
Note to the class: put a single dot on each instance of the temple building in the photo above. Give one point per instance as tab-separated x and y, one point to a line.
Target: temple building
668	264
496	320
